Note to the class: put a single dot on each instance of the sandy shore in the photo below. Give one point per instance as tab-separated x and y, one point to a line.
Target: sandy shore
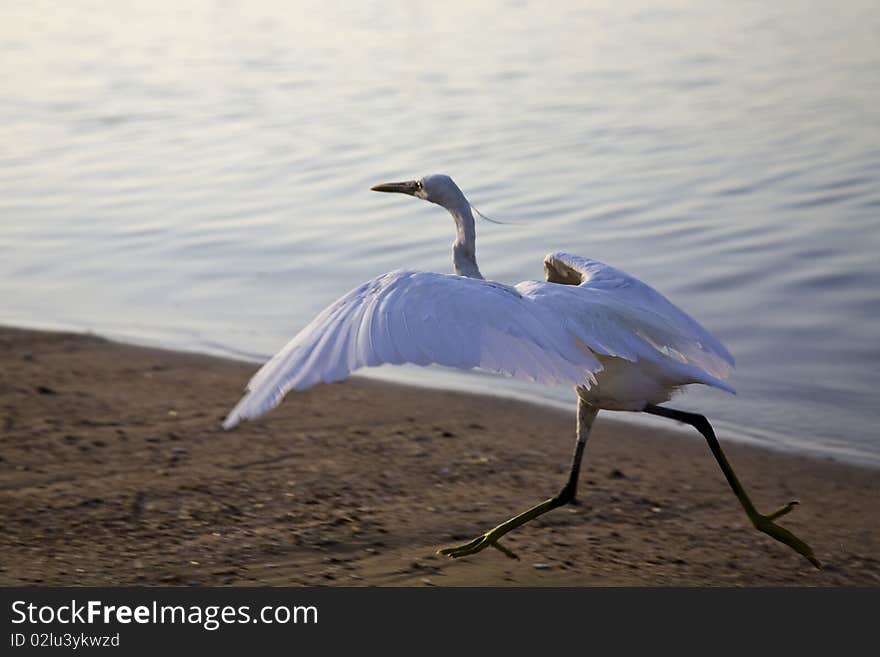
113	470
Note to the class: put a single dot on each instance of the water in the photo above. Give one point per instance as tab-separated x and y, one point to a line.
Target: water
196	174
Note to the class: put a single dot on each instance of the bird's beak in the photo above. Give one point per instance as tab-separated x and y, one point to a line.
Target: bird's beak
409	187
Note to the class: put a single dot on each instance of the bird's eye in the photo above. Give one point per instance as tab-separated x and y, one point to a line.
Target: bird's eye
419	185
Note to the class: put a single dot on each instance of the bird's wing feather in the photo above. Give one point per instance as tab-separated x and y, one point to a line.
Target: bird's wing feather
545	332
423	318
647	316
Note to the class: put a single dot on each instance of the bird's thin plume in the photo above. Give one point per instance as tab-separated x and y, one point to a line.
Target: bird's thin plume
489	219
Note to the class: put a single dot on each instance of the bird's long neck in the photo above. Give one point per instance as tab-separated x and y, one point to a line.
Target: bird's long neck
464	249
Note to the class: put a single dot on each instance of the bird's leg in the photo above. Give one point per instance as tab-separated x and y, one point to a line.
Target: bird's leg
761	522
585	414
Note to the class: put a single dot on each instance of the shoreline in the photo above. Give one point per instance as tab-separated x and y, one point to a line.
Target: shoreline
733	434
114	470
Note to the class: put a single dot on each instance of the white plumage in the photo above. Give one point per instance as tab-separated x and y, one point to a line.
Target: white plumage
590	325
623	346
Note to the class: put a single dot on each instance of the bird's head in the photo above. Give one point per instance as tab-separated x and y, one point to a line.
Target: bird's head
440	189
436	188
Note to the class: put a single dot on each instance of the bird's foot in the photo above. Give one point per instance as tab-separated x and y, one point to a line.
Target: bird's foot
480	543
490	538
765	524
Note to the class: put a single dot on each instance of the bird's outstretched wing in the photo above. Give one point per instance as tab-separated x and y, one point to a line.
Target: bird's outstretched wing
645	313
540	331
423	318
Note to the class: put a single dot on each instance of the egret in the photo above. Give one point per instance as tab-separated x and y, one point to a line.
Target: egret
621	344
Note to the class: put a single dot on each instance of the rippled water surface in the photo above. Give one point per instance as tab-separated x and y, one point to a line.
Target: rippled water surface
196	174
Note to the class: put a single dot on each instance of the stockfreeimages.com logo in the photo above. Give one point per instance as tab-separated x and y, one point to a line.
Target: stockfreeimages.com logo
210	617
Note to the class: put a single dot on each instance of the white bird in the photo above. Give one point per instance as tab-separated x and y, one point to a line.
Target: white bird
622	344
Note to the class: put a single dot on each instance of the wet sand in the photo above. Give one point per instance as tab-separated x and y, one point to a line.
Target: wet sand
114	471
